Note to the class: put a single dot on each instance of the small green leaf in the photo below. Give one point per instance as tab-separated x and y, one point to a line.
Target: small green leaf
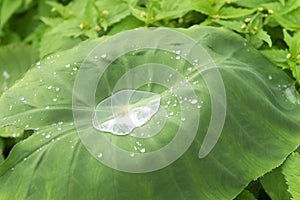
114	13
234	25
127	23
245	195
264	36
231	12
275	185
293	42
290	169
210	8
277	56
287	15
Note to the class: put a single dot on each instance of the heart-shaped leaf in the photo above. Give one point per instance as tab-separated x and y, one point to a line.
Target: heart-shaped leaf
261	127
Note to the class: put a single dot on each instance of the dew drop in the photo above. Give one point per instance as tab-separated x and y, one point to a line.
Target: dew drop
270	77
99	155
75	69
57	89
103	55
142	150
131	154
48	136
54	99
177	57
47	107
49	87
5	74
194	101
68	66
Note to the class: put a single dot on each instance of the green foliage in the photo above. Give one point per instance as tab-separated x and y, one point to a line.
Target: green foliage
36	97
57	144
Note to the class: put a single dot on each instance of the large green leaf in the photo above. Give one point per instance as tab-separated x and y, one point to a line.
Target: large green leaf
261	128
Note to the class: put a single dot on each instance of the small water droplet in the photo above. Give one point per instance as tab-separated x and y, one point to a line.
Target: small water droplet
57	89
67	65
48	136
270	77
103	55
194	101
47	107
75	68
182	119
49	87
59	128
177	57
22	99
99	155
171	113
54	99
10	107
38	63
5	74
131	154
142	150
190	69
54	73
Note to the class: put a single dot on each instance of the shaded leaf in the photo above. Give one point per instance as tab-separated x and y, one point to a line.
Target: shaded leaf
7	9
245	195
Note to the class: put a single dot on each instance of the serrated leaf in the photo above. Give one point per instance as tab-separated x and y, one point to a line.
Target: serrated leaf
288	15
264	36
277	56
234	25
252	3
170	9
275	185
291	172
210	8
231	12
292	42
115	13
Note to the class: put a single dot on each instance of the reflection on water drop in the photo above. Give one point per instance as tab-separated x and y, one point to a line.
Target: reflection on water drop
125	110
